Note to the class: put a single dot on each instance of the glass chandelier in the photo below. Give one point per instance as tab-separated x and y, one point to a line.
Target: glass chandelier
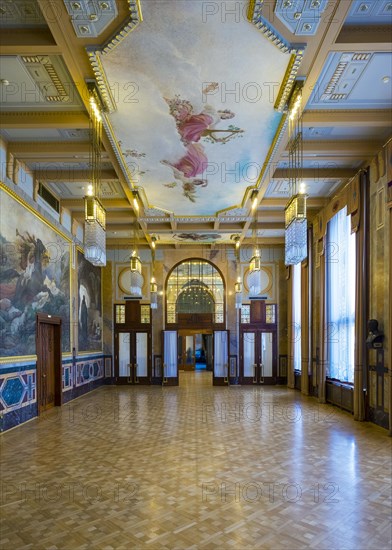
136	282
296	224
153	284
238	284
254	275
95	215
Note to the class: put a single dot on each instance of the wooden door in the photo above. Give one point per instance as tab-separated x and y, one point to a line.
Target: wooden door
133	357
48	345
258	357
47	367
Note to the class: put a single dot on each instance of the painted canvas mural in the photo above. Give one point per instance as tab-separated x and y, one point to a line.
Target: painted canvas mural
34	278
89	306
194	94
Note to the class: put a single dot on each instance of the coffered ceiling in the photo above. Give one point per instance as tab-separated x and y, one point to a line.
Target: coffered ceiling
195	97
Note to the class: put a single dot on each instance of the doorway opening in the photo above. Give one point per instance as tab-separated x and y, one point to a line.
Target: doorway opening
195	350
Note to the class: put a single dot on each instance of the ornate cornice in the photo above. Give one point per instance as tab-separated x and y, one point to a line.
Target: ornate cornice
255	16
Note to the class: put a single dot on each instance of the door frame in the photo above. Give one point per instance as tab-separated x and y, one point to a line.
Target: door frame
270	380
183	332
45	319
131	381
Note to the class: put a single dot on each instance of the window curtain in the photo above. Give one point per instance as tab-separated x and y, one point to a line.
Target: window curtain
340	261
220	354
306	316
290	332
170	353
296	331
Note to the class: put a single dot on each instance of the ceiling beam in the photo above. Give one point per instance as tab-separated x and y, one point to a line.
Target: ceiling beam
45	119
313	202
78	204
72	174
360	148
24	41
315	173
334	118
372	39
34	149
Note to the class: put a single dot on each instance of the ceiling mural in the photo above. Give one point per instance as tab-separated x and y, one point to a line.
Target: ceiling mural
194	98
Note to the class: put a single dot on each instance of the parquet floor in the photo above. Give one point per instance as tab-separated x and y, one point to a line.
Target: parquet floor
196	467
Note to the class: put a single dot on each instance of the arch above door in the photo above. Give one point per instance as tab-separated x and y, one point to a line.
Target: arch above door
195	296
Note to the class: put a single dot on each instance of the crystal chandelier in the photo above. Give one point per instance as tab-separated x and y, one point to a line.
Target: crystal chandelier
153	284
136	279
295	212
95	215
254	275
238	284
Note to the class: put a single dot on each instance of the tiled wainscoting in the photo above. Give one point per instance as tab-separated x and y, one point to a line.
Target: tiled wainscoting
18	386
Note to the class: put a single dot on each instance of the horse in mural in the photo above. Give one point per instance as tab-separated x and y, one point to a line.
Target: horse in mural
33	259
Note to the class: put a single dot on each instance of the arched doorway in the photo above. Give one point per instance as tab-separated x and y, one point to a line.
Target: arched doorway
195	320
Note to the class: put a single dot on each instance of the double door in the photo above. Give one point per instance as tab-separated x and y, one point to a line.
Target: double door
133	357
258	357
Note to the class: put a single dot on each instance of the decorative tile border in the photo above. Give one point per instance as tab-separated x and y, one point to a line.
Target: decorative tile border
17	390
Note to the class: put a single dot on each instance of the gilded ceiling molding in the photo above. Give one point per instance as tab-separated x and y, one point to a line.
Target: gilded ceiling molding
296	50
117	151
133	21
101	80
95	53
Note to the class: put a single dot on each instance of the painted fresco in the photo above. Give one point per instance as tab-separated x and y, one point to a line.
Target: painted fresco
194	112
89	306
34	278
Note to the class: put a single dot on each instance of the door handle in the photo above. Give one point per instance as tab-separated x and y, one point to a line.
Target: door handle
255	373
135	373
130	373
44	376
226	378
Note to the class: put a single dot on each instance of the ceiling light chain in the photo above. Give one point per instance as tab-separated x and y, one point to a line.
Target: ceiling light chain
95	215
295	211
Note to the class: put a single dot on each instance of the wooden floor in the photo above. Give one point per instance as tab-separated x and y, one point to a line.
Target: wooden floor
196	467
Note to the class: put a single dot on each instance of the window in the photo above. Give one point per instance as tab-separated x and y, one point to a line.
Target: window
120	314
297	315
270	316
195	286
245	313
145	314
340	264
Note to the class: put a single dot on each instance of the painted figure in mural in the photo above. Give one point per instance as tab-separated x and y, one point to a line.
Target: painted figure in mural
192	127
190	165
33	258
84	321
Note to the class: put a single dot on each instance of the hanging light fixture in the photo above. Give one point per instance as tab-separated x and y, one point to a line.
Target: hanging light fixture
254	275
238	284
137	280
95	215
295	212
153	284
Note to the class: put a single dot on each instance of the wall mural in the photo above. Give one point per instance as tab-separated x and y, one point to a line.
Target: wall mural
34	278
194	141
89	306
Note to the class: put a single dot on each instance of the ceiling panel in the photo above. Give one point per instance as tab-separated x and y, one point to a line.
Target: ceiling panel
202	117
344	82
21	14
369	13
37	83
